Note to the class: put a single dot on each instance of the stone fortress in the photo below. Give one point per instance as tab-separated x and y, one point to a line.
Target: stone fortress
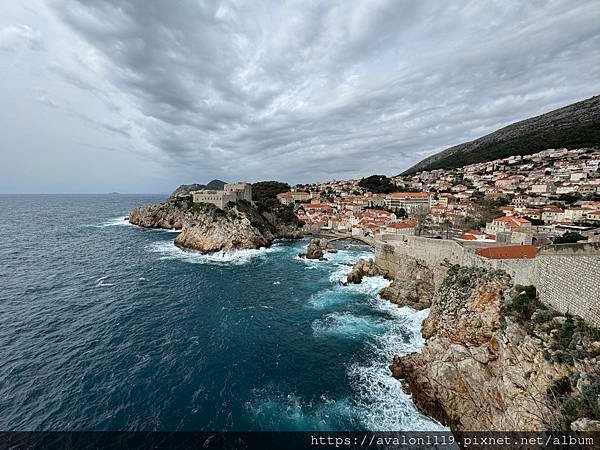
567	276
232	192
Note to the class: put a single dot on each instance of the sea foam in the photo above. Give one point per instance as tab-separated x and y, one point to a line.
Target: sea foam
170	251
382	403
273	410
115	222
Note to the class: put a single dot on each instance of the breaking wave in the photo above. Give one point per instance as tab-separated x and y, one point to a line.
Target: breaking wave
122	221
170	251
382	403
346	325
273	410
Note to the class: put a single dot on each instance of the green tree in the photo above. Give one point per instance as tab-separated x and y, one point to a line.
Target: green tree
264	194
570	237
378	184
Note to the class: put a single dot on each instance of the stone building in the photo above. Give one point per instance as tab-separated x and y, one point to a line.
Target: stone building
230	193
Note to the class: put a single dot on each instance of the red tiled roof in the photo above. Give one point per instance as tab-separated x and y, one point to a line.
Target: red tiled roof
317	205
410	194
511	221
403	225
508	252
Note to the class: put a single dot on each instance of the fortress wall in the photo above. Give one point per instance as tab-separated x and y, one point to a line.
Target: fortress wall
567	276
570	284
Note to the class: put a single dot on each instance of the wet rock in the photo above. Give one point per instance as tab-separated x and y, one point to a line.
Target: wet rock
317	247
363	268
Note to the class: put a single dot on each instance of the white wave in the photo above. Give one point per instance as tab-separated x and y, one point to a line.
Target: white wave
382	403
369	285
327	298
273	410
117	221
276	282
169	251
346	325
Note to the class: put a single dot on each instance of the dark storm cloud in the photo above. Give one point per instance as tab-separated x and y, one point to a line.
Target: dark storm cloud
305	90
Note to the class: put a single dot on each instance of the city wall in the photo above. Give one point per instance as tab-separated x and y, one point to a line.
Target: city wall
566	276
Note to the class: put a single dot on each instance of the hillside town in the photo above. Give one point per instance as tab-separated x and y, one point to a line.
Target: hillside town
548	197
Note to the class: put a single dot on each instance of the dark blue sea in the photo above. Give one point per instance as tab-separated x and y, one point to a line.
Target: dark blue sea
107	326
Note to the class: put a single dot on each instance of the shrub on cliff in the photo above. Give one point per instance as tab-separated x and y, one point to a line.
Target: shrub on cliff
585	404
525	302
569	237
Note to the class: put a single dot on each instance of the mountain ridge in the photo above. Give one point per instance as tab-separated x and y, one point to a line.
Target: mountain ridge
572	126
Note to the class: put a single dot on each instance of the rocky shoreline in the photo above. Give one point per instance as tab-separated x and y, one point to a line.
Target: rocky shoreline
208	229
494	358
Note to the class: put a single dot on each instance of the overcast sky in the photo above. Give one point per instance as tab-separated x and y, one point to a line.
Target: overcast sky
142	95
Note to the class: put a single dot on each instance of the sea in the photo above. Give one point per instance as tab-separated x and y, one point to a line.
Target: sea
108	326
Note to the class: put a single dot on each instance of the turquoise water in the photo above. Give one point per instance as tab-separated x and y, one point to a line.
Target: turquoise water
107	326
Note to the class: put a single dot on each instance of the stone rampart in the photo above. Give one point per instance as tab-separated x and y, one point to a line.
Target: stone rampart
567	276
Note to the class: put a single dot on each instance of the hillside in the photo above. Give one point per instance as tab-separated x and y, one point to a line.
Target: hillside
185	189
576	125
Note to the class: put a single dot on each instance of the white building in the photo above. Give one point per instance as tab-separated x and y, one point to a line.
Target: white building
407	200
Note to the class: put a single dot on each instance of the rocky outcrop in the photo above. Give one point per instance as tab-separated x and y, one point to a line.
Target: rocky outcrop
222	232
283	230
414	284
169	215
186	189
316	248
206	228
363	268
483	368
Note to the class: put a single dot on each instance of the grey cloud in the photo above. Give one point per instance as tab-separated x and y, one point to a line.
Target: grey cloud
20	36
310	89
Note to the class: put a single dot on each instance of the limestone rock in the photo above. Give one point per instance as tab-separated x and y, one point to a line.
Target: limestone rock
206	228
480	370
585	425
413	284
316	248
363	268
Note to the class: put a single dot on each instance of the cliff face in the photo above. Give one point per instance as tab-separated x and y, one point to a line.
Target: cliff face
413	281
482	368
209	229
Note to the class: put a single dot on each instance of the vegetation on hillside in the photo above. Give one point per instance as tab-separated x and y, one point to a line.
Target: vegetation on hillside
574	126
264	195
569	337
378	184
585	404
577	136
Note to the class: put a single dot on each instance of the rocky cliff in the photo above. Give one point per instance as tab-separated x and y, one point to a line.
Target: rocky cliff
206	228
413	283
496	359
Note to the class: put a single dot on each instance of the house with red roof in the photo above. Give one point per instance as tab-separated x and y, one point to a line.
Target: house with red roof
478	236
404	227
506	224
